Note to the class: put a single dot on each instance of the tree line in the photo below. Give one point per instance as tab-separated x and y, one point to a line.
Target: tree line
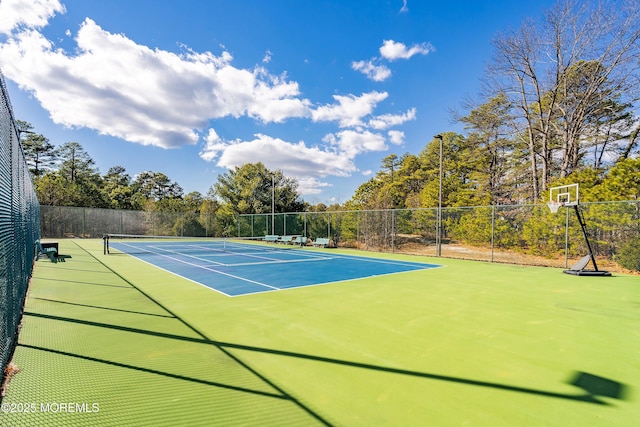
67	176
558	106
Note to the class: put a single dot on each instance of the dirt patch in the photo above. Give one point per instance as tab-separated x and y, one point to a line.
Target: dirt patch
417	245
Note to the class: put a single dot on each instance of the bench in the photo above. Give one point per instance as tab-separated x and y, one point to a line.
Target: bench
50	251
290	240
286	240
49	245
272	238
300	240
322	242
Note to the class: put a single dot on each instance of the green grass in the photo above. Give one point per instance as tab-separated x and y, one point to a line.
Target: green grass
469	344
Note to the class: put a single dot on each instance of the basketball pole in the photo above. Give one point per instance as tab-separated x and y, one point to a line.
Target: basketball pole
583	226
567	195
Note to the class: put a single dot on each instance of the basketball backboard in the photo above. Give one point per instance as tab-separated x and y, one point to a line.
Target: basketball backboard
564	195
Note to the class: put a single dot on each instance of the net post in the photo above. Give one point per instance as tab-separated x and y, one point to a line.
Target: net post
105	244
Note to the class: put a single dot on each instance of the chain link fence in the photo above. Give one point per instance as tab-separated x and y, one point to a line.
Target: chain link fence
519	234
74	222
19	228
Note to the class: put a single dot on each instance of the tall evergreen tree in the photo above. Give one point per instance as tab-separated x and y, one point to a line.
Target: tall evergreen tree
251	188
75	163
491	145
156	186
117	187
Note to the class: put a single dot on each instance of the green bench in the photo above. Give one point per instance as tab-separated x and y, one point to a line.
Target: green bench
272	238
322	242
290	240
50	250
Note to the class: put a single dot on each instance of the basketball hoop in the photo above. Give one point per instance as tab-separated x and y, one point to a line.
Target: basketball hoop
554	206
563	195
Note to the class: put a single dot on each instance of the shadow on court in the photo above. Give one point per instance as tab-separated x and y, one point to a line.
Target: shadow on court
594	386
146	365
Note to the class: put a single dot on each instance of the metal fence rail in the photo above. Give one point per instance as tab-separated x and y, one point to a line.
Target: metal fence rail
19	227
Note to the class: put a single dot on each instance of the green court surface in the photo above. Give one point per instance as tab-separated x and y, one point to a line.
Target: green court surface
112	341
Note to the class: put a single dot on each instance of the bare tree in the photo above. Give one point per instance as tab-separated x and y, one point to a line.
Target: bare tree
563	74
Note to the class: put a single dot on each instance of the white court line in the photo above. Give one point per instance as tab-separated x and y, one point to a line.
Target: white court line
267	260
298	252
338	281
318	256
210	269
283	261
178	252
157	251
218	253
416	265
382	261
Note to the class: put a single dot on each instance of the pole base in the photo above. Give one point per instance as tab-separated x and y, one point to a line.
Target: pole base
587	273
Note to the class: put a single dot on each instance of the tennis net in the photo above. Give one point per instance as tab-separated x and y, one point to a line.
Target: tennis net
142	244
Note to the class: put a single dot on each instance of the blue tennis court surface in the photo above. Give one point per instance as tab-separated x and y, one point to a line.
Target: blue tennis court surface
237	269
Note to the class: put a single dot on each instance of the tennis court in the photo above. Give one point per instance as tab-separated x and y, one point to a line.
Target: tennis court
473	343
236	267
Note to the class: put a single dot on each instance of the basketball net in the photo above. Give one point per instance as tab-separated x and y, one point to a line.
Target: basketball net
554	206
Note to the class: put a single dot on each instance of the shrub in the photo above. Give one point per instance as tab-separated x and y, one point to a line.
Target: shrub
629	254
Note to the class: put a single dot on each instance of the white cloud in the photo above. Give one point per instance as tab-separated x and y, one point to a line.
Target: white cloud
377	73
213	146
392	50
307	164
350	109
352	143
404	7
116	86
32	13
309	185
386	121
396	137
130	91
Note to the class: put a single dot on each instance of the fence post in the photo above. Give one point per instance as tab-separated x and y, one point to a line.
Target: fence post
566	239
393	230
358	229
493	217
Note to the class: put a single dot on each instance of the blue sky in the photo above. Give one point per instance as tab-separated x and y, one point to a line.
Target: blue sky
322	90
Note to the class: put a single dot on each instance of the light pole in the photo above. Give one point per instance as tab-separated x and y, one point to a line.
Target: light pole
273	204
439	217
